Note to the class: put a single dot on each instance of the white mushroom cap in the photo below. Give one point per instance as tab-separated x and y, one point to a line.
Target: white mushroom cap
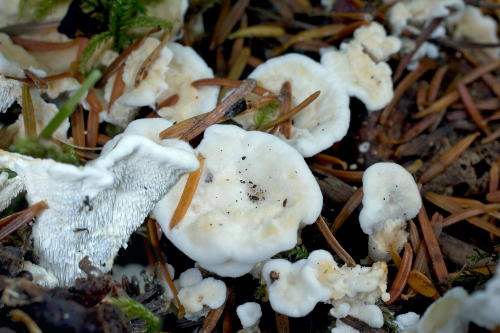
389	193
94	209
247	207
200	296
363	78
294	289
407	322
375	42
326	120
444	315
249	314
187	66
146	93
471	25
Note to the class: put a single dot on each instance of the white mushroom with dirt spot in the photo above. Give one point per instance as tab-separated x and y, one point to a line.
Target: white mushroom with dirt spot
359	65
254	193
390	198
323	122
187	66
199	295
295	288
92	210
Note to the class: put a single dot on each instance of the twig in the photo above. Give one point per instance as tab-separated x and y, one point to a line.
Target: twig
348	176
346	211
334	244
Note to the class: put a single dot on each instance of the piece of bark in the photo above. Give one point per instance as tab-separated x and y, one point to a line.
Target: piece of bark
457	251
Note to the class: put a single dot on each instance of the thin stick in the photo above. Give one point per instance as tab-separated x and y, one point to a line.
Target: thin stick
187	195
334	244
348	176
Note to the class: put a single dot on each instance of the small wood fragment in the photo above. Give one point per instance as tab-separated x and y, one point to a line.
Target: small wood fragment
282	323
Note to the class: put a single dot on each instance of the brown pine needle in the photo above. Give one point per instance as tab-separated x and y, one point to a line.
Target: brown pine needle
155	245
122	57
414	235
346	211
471	108
187	195
238	43
493	196
28	112
224	11
143	71
422	284
418	128
286	94
237	68
494	172
37	81
424	35
402	276
334	244
11	223
422	89
289	115
491	137
328	159
458	217
118	87
169	101
93	118
453	96
347	176
347	31
190	128
446	203
38	45
433	249
403	86
234	15
46	79
359	325
436	82
421	263
228	83
447	158
78	126
212	319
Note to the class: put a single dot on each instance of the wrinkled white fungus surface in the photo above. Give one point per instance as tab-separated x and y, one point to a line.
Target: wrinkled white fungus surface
322	123
187	66
390	198
146	93
92	210
254	193
295	288
14	59
375	42
198	295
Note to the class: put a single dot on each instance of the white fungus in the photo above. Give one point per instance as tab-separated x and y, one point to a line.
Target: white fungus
10	187
361	76
322	123
390	198
198	295
149	89
407	322
375	41
92	210
248	205
187	66
295	288
249	314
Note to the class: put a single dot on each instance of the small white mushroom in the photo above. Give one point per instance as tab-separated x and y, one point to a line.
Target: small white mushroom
390	198
375	41
198	295
249	314
149	89
473	26
187	66
295	289
368	313
255	191
322	123
94	209
361	76
427	49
